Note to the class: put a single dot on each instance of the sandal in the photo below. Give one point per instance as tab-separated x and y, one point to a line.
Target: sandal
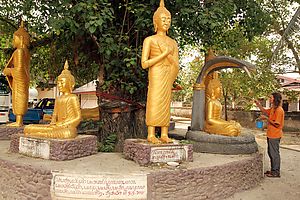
268	172
273	175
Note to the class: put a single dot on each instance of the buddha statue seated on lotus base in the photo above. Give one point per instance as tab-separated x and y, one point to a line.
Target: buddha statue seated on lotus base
57	140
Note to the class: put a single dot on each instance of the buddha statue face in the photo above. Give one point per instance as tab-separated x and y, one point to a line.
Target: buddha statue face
214	89
218	91
21	37
163	22
162	18
16	41
63	85
65	81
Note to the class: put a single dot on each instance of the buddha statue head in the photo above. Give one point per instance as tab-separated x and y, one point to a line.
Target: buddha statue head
65	81
162	18
21	37
214	89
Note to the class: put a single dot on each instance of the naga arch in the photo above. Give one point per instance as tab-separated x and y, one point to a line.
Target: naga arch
212	65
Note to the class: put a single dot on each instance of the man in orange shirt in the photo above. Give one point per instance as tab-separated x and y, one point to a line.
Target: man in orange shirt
275	119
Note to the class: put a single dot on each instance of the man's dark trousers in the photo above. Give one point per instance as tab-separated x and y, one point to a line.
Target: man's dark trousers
274	154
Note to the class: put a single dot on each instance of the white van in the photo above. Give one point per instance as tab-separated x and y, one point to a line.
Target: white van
5	99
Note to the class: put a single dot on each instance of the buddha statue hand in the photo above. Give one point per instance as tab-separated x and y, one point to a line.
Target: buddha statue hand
58	124
165	48
234	129
6	72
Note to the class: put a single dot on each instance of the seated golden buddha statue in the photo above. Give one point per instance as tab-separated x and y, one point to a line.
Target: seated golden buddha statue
213	122
66	115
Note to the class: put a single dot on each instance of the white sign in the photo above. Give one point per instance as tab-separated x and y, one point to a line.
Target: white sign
168	153
34	147
111	186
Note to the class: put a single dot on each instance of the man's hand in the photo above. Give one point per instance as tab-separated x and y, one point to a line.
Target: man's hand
263	117
257	102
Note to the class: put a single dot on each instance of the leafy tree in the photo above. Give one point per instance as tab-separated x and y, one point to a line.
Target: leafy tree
241	88
103	39
291	95
191	63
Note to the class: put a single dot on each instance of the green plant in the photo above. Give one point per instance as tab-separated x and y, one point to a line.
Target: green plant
89	125
109	143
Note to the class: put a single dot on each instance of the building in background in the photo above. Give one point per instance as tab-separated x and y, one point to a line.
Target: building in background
87	95
291	84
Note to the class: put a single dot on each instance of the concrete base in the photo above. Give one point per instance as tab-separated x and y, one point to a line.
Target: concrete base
54	149
144	153
110	176
6	132
211	143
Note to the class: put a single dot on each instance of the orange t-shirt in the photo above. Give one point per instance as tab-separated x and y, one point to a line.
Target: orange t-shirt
277	116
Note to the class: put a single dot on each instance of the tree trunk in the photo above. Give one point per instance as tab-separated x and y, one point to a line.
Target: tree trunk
123	120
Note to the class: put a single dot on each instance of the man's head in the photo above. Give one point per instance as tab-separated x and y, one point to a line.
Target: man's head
276	99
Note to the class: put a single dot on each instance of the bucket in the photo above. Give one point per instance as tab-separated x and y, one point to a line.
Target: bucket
259	124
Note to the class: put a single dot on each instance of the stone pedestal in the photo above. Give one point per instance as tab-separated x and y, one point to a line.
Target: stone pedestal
54	149
6	132
219	144
144	153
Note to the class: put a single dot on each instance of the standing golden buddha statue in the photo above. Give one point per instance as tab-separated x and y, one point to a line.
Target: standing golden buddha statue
66	115
17	74
160	56
213	122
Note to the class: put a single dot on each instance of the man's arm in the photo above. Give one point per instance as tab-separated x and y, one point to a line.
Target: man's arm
262	109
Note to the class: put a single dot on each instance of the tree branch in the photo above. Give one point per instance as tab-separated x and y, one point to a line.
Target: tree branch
7	21
295	53
41	42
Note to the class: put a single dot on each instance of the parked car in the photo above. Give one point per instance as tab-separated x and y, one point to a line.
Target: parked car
34	115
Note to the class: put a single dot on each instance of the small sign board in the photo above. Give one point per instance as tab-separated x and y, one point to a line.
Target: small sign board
34	147
168	153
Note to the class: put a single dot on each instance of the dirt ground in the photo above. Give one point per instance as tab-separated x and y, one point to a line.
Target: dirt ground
289	138
287	187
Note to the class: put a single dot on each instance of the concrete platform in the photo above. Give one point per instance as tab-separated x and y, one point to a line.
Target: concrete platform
7	132
110	176
54	149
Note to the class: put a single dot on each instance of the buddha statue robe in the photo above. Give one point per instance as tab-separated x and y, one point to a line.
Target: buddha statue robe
19	79
17	74
161	78
213	122
66	114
